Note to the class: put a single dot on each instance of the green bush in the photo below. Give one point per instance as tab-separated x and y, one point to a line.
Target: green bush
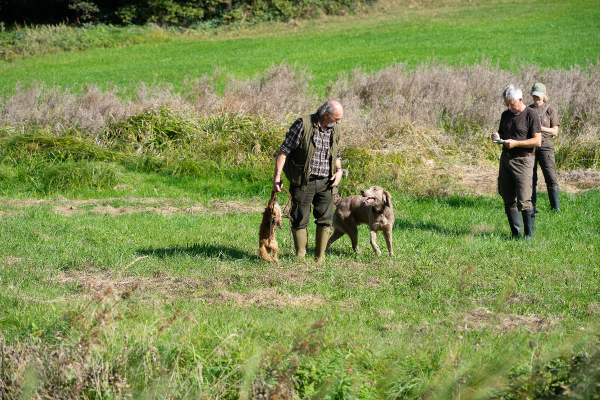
150	131
183	13
43	177
53	149
224	140
235	147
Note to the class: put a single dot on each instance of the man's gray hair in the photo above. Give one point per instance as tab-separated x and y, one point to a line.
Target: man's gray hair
326	107
512	92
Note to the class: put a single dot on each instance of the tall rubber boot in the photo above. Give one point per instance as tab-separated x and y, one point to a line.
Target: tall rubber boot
322	237
300	240
514	220
553	197
528	224
534	200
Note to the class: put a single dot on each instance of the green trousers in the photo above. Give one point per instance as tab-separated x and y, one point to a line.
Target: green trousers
515	181
318	194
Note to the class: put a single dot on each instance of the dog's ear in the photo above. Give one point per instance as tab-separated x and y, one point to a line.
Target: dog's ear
387	198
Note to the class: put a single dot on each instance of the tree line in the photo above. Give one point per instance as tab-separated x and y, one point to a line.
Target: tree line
182	13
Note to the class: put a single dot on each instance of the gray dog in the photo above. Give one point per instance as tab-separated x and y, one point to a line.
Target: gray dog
374	208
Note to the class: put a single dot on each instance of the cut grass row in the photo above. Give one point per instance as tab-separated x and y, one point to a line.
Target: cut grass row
550	34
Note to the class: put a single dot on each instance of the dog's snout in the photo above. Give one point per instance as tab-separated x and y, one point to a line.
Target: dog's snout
362	192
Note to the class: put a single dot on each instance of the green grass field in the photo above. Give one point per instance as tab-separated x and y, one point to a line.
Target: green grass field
129	265
458	299
548	33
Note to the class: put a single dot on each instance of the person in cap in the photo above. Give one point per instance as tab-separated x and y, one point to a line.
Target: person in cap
310	158
520	131
544	155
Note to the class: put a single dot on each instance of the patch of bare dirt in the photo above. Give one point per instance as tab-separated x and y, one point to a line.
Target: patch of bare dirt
269	297
161	285
593	308
67	210
161	206
482	318
483	179
522	298
478	179
482	228
10	261
580	179
385	313
226	207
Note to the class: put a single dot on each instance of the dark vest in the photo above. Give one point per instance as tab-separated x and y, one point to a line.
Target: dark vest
297	163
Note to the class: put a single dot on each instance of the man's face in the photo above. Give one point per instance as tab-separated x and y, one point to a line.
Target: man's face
333	119
513	105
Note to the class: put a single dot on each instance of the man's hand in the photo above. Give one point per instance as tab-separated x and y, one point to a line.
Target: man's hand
510	143
535	141
336	178
279	163
277	186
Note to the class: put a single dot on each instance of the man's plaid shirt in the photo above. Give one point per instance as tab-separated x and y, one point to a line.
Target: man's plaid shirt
320	163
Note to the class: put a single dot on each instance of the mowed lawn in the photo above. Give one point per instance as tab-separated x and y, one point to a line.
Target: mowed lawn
546	33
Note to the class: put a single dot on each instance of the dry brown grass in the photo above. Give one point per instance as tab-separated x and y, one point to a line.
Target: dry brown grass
465	99
436	116
162	286
482	318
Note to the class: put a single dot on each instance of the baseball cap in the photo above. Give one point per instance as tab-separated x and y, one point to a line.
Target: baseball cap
538	89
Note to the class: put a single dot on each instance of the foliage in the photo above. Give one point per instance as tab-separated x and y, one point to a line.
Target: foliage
161	141
170	12
59	38
565	377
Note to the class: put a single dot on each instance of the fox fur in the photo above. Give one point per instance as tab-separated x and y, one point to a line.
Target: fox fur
267	243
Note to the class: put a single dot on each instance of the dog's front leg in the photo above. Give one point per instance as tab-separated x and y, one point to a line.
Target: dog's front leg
374	242
387	234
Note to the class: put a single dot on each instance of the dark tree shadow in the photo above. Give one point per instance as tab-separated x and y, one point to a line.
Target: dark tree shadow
197	249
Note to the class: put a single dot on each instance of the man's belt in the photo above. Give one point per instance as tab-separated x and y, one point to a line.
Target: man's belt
512	155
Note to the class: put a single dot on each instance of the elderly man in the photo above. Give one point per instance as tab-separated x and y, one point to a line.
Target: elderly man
310	158
521	130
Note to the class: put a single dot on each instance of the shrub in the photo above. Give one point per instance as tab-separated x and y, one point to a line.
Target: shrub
54	149
171	12
47	178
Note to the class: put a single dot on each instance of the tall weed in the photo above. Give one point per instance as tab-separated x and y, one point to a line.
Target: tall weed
456	107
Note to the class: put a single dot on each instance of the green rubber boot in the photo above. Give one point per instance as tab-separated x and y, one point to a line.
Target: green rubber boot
553	197
528	224
322	237
514	220
300	240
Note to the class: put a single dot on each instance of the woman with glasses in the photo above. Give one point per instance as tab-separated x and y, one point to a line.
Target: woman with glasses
544	155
